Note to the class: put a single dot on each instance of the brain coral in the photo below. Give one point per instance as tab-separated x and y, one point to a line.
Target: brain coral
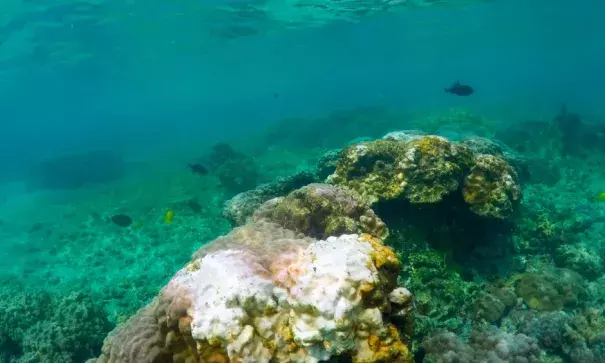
266	294
492	188
322	210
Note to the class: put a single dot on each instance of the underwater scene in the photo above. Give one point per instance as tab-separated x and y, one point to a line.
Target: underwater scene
224	181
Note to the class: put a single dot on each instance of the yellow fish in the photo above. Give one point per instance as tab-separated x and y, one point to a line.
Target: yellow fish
168	217
600	197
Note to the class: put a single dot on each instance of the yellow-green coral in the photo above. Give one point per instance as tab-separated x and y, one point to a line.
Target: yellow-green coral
433	167
426	169
492	189
370	169
423	169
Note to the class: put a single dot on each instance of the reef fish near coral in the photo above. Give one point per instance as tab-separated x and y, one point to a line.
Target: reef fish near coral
460	89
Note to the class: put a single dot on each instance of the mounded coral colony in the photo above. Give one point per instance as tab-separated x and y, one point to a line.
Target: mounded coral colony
307	276
263	293
426	169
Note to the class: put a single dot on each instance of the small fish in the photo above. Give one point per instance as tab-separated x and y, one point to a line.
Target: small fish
198	169
276	95
169	216
460	89
600	197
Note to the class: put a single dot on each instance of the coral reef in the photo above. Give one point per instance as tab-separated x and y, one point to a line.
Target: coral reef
312	273
264	293
482	145
371	170
492	188
321	210
485	345
441	295
433	167
551	290
38	326
426	169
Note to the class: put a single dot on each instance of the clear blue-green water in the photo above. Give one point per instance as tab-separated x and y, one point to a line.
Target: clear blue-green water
103	104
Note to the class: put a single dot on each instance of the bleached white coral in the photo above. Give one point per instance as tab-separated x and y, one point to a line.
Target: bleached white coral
257	308
325	299
263	293
227	292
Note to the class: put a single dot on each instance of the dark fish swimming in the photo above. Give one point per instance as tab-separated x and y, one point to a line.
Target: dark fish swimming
198	169
460	89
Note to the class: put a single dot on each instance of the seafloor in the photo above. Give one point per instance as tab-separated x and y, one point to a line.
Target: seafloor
499	229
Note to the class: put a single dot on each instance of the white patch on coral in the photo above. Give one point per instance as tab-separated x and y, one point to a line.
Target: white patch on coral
244	305
227	291
325	299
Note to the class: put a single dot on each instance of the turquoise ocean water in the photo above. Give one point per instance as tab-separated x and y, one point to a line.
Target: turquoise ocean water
106	105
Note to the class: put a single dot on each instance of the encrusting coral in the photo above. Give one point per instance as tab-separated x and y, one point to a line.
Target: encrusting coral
263	293
425	169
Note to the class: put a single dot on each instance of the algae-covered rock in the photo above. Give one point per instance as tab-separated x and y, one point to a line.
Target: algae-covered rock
321	210
492	188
